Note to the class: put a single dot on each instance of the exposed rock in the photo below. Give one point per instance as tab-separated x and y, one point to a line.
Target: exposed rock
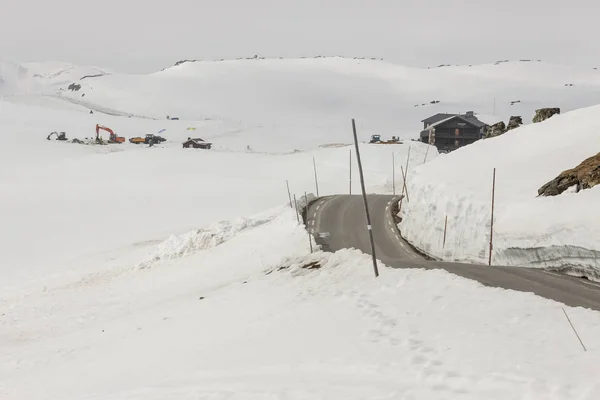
495	130
74	87
584	176
514	122
544	113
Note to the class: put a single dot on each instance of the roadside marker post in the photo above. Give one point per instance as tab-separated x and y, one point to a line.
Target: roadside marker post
289	194
574	330
297	213
445	226
364	194
492	218
393	174
316	179
308	229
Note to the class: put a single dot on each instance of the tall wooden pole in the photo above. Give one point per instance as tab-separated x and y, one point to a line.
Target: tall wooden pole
316	179
393	175
289	194
445	226
307	224
297	213
364	193
492	219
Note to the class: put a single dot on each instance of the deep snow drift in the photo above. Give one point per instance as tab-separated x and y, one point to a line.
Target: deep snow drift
244	320
561	231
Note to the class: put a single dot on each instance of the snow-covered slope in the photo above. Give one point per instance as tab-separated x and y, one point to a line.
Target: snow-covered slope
62	201
293	95
244	320
560	231
135	272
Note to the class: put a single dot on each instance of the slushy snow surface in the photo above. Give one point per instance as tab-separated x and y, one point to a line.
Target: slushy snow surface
130	272
559	232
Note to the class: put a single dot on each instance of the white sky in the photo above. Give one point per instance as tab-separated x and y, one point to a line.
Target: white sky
145	36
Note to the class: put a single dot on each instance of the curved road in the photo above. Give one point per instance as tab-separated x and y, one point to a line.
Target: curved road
339	222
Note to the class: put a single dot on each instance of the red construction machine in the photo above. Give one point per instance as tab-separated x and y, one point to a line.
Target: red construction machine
112	136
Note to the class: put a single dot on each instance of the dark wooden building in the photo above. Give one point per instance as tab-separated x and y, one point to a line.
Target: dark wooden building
196	143
448	132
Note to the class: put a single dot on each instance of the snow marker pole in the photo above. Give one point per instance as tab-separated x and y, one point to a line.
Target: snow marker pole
393	174
425	160
307	224
297	213
316	179
574	330
445	226
289	194
364	193
492	217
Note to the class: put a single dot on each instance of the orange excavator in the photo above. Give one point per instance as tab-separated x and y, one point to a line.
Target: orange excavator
112	136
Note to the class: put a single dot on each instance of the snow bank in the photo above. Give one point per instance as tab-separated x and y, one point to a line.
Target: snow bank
560	232
246	320
189	243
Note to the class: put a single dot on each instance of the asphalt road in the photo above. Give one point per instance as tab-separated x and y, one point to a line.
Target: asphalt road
339	222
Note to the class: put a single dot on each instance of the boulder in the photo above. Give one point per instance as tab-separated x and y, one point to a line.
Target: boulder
544	113
495	130
514	122
584	176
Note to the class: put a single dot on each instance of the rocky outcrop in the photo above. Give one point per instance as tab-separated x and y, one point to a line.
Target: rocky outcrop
584	176
74	87
544	113
514	122
495	130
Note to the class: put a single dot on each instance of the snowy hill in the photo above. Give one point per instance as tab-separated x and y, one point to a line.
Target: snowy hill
269	95
136	272
560	232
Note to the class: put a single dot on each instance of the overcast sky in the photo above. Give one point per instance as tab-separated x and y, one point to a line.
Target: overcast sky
148	35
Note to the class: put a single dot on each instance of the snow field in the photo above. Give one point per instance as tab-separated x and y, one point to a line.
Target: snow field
132	272
244	320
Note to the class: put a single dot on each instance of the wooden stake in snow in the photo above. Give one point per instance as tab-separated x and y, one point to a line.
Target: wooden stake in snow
492	218
425	160
445	226
289	194
364	194
297	213
574	330
393	175
316	179
307	224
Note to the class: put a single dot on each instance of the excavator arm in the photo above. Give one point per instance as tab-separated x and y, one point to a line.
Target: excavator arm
112	135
